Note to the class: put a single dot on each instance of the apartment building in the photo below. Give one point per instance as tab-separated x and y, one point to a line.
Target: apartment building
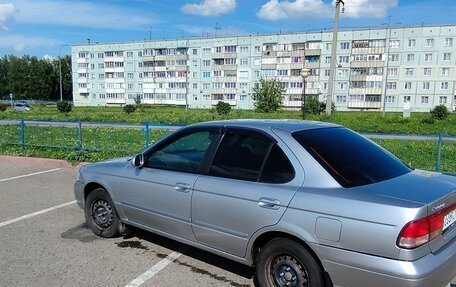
377	68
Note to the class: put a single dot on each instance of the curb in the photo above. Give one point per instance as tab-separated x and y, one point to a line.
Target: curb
36	161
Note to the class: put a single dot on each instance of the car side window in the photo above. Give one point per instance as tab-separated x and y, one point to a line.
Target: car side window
240	157
183	154
277	168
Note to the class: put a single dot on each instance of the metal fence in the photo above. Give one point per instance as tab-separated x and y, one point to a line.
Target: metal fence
98	141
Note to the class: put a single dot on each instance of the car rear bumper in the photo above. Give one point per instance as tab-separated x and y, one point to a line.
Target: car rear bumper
79	193
354	269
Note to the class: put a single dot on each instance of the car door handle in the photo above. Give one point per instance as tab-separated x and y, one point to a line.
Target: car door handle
182	187
269	203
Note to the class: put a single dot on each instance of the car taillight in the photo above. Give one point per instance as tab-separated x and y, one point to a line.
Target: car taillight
419	232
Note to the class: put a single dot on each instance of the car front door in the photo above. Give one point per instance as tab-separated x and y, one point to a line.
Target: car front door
159	194
247	187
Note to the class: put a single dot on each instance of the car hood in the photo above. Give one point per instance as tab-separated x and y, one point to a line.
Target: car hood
106	166
418	186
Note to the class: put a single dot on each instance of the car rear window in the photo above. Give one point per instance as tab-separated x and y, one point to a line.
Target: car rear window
350	158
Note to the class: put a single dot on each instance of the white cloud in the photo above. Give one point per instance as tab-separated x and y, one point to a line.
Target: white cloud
368	8
210	7
301	9
7	11
275	9
80	14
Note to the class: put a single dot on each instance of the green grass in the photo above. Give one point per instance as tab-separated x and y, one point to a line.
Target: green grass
95	144
358	121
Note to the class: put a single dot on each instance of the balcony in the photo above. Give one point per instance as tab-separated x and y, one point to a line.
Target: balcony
367	64
312	52
364	105
284	54
268	66
298	53
368	51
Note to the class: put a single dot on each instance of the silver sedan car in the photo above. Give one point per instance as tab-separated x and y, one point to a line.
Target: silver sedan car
305	203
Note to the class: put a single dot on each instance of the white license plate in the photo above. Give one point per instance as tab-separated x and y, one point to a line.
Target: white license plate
449	219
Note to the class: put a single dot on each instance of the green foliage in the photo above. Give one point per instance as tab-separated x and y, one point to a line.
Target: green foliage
315	107
268	95
3	107
64	107
429	120
129	109
223	108
440	112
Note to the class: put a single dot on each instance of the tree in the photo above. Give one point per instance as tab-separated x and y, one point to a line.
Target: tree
268	95
440	112
223	108
4	91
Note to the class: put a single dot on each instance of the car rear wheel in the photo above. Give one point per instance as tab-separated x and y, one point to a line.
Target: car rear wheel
285	263
101	216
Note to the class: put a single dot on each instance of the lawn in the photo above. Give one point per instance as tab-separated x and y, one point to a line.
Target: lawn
95	144
358	121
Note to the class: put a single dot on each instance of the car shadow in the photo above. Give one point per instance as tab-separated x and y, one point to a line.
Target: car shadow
198	254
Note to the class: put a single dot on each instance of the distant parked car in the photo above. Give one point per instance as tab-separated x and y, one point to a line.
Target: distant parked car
22	106
306	203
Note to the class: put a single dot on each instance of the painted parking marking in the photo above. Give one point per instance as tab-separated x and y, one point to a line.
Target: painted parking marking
30	174
141	279
14	220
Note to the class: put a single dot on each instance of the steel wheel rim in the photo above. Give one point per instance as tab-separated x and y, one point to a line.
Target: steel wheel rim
287	271
102	214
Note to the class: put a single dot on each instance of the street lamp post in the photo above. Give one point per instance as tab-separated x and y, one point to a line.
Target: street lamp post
304	73
60	71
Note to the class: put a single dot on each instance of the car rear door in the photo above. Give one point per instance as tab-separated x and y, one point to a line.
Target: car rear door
248	186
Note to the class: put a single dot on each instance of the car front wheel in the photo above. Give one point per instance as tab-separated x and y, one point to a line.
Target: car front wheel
101	216
285	263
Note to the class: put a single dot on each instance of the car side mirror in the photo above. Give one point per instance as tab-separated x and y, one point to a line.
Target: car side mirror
138	160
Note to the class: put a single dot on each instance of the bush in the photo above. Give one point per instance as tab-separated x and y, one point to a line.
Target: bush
440	112
3	107
64	107
429	120
129	109
315	107
223	108
268	95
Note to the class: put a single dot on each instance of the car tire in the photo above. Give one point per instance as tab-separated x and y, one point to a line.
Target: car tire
101	215
283	262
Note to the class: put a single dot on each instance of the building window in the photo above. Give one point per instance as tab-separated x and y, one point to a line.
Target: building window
244	62
428	57
427	71
444	86
410	57
342	86
206	75
392	72
217	73
257	49
327	60
206	51
195	86
406	99
129	54
390	99
409	71
393	57
345	45
447	56
408	86
130	75
394	43
341	99
448	42
411	43
442	100
243	74
445	71
344	59
429	43
195	51
391	85
424	99
244	49
230	49
426	85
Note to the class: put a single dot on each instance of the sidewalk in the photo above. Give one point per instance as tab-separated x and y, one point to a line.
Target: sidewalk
45	162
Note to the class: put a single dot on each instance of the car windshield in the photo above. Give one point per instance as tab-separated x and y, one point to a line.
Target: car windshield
351	159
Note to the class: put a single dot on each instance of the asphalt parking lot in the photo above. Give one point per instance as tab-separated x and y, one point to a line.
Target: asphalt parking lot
45	241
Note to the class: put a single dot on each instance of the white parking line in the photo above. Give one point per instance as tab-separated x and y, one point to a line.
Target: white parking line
141	279
35	213
30	174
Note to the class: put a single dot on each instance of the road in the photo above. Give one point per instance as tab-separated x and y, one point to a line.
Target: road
46	242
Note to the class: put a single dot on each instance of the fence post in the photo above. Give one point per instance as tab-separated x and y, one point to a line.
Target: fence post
79	135
22	131
146	134
439	153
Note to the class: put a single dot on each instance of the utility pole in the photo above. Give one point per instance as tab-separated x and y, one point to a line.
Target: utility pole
332	67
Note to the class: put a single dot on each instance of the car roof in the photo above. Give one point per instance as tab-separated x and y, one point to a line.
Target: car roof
267	124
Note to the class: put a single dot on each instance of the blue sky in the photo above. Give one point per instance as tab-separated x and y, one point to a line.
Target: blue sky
46	27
